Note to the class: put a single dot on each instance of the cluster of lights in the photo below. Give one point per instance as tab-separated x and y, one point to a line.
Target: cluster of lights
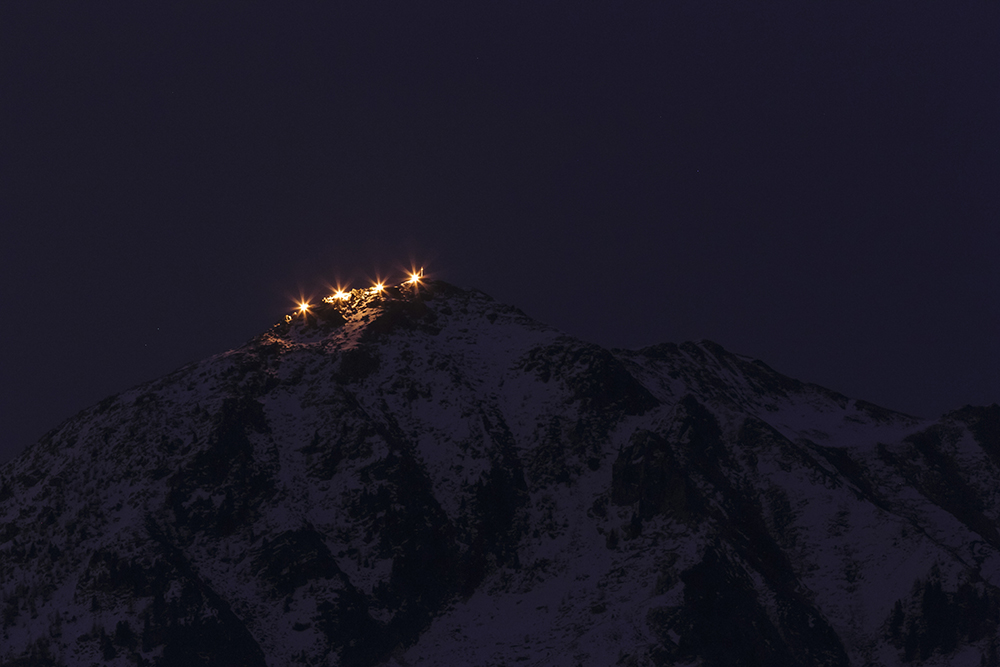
414	279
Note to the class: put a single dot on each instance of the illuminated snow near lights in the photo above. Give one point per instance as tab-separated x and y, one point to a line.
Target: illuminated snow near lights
414	279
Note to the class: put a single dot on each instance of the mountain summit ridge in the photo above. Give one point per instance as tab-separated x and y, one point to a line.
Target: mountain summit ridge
423	473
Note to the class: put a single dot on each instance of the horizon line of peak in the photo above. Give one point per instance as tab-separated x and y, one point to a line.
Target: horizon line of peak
416	284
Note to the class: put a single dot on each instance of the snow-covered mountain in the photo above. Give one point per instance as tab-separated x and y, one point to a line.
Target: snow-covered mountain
425	476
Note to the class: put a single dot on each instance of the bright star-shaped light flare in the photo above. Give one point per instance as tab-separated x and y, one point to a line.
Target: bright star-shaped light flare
339	295
303	307
415	277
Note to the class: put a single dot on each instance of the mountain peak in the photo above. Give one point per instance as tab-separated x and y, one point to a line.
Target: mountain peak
422	473
359	315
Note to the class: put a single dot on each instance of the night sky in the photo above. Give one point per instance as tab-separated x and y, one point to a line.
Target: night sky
816	184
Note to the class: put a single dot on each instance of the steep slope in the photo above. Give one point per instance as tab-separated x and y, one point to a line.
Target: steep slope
423	474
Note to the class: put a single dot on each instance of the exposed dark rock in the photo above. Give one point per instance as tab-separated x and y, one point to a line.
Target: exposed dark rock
594	376
984	423
355	636
401	316
935	621
936	474
646	473
294	558
355	365
723	621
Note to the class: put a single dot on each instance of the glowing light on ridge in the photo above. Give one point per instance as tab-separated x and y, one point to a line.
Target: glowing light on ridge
339	295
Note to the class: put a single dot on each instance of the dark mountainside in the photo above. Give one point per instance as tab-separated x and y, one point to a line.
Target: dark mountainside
426	476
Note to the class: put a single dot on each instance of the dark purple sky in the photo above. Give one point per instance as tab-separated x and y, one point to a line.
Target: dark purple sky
811	183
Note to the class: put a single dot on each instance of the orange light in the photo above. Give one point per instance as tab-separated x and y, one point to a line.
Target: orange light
303	307
339	295
415	278
378	287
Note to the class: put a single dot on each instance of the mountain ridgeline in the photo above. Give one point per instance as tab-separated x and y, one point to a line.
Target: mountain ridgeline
424	475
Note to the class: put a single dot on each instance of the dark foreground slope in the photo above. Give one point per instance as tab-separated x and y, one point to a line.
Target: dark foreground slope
428	475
